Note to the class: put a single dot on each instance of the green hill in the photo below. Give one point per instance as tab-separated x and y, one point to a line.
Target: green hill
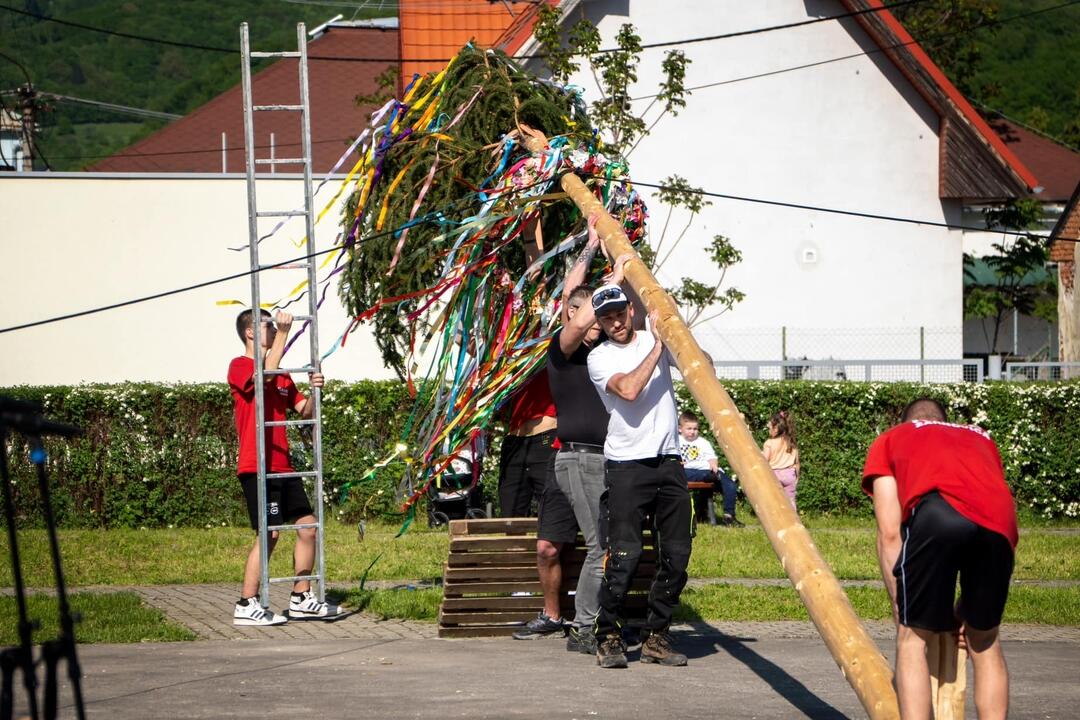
1034	66
72	61
1031	63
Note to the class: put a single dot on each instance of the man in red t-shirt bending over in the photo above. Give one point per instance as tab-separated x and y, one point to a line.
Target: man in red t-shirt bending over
286	500
943	509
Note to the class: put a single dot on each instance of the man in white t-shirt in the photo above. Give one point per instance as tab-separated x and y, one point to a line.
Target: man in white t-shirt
643	475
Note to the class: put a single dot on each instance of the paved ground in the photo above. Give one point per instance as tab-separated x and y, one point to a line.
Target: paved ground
730	676
363	667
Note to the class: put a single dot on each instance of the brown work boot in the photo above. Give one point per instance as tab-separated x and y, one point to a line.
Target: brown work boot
657	649
611	652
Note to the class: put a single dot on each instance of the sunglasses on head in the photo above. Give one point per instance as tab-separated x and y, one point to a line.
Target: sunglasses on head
609	294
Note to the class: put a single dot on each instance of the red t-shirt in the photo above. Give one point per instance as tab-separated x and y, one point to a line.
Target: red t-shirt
532	401
280	395
961	462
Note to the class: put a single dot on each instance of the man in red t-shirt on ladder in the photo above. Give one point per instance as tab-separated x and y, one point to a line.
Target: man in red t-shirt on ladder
943	509
286	500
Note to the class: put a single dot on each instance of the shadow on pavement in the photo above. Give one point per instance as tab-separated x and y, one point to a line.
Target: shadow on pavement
697	645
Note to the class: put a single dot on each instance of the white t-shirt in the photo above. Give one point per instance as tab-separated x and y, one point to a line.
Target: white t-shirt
697	454
649	426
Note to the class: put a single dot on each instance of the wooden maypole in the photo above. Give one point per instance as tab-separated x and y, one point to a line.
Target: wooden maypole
859	659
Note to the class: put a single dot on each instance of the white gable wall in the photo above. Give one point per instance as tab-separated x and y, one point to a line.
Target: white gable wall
850	135
86	240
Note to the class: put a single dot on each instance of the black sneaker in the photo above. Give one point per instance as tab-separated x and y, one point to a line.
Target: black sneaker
540	626
657	649
581	641
611	653
730	521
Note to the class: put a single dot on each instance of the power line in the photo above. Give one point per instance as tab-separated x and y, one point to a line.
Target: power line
671	43
195	152
913	41
816	208
246	273
1001	21
724	196
113	107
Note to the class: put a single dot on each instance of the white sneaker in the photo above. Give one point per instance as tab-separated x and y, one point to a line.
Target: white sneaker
306	606
254	614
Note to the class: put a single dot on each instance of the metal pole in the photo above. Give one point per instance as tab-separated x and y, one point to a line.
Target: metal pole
23	658
922	353
273	166
313	307
1016	332
224	155
256	312
783	343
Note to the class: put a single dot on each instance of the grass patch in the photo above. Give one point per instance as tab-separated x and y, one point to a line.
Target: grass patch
737	603
403	603
1027	605
106	618
216	555
852	554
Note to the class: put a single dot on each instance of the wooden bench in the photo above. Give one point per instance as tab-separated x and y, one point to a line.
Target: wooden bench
691	486
491	560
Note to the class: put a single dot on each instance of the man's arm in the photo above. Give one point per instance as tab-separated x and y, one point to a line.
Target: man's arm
272	361
305	407
577	273
887	512
629	385
575	328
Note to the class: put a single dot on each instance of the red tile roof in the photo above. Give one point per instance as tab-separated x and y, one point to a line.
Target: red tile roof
193	143
1056	166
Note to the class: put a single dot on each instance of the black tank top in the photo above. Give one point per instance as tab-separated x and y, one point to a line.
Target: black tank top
581	413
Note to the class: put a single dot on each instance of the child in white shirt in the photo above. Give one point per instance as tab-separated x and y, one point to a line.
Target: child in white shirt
700	464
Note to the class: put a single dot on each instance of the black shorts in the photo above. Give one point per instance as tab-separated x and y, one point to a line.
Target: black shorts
557	522
286	499
524	465
938	544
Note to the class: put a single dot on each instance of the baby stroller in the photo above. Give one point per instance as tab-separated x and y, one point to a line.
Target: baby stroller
458	494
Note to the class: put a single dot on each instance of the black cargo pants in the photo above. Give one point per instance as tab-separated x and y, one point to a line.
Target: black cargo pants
635	489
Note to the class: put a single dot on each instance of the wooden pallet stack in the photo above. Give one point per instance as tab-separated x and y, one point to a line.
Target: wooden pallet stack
493	562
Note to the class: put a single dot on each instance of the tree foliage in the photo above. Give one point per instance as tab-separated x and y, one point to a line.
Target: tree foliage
1013	288
624	126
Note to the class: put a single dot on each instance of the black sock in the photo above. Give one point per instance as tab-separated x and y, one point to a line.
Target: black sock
243	602
297	594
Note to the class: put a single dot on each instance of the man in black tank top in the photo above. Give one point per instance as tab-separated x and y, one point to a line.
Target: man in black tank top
579	464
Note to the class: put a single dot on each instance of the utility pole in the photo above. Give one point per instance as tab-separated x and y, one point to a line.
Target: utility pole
28	104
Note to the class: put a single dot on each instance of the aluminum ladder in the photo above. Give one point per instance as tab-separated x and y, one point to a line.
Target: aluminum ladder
318	576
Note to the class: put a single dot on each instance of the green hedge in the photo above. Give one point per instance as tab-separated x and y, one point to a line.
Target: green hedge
158	455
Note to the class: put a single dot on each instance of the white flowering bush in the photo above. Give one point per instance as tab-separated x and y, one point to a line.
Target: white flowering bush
159	455
1034	425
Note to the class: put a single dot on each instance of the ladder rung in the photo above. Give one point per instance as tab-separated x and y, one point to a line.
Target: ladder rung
290	266
280	213
291	108
296	526
287	53
289	423
302	473
284	371
282	161
294	578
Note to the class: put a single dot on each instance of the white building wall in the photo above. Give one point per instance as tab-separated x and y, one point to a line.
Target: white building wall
79	241
851	135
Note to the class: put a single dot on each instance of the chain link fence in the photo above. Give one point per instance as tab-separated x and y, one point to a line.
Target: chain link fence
794	343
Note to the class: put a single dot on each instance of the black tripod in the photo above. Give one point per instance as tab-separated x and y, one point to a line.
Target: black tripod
27	419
